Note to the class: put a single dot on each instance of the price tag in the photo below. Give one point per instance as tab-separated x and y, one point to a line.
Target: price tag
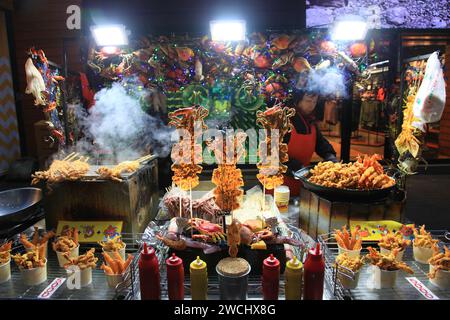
421	288
51	288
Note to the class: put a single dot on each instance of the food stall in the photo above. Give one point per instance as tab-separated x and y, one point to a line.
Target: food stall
240	217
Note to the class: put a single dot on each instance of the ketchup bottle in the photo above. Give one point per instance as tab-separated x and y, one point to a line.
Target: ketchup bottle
270	278
175	277
314	271
149	275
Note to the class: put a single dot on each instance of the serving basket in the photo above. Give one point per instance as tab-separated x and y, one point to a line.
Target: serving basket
415	286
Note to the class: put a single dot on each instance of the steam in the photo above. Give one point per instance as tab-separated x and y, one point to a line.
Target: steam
118	126
325	82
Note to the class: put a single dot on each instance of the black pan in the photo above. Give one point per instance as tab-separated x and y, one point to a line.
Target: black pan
345	194
18	205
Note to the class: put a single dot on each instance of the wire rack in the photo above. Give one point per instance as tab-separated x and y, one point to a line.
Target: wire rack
97	290
130	288
403	290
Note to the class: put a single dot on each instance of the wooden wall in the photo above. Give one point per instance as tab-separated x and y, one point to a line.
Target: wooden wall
444	135
41	23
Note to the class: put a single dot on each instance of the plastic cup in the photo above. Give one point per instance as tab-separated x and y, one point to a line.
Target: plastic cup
121	252
387	252
281	197
442	278
350	253
384	278
74	253
5	271
35	276
348	280
422	254
114	279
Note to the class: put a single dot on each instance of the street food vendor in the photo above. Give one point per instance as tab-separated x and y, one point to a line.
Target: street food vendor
305	139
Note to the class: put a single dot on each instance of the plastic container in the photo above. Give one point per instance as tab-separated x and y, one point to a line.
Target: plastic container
122	252
35	276
74	253
383	278
348	280
199	279
149	277
350	253
233	287
281	198
293	276
175	277
442	278
271	278
387	252
5	271
314	272
422	254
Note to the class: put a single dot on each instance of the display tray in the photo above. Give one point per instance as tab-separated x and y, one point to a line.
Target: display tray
97	290
403	289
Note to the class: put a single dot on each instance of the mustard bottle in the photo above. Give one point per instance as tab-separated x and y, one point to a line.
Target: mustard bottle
199	279
293	277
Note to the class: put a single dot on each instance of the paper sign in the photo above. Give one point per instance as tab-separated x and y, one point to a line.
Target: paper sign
422	288
92	231
51	288
373	230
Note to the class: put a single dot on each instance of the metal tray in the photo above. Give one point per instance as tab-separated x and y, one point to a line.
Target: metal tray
347	194
364	291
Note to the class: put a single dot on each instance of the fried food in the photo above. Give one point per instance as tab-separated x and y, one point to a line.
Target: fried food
62	170
36	241
391	241
187	153
115	265
387	262
30	260
348	241
439	260
85	261
276	124
112	244
364	174
67	241
234	238
423	239
5	252
354	264
114	173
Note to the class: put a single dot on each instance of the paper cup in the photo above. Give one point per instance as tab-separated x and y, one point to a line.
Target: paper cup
384	279
74	253
281	197
350	253
85	276
114	280
5	271
387	252
121	252
35	276
422	254
348	280
442	278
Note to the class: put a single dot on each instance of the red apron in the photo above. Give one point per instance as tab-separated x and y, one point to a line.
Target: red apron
301	147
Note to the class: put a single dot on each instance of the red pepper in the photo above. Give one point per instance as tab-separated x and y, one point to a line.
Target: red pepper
271	278
314	270
149	275
175	277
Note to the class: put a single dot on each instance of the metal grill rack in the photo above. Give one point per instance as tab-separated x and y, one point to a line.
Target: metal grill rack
97	290
365	291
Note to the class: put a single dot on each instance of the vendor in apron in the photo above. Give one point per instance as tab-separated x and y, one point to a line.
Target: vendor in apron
304	139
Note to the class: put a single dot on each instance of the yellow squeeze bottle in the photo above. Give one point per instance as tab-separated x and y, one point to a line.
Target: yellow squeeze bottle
199	279
293	276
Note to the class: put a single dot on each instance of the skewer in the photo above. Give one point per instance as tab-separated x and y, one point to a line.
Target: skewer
68	156
72	157
144	158
190	203
181	211
264	195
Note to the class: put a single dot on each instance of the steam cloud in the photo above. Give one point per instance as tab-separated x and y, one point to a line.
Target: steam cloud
325	82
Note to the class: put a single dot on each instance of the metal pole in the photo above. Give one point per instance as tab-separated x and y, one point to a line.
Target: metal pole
346	124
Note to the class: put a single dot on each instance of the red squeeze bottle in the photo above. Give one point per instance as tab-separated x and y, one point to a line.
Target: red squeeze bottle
149	275
270	278
175	277
314	270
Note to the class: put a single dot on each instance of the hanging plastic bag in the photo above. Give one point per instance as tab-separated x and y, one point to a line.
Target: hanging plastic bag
430	99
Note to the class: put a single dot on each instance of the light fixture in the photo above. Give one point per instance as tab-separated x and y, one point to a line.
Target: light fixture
349	28
110	35
227	30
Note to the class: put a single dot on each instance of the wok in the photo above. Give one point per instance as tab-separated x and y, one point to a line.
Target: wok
18	205
345	194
